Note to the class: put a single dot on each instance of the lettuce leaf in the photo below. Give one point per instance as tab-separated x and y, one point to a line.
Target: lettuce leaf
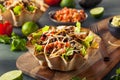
31	8
2	8
38	47
37	34
87	41
78	27
45	29
17	10
18	44
83	50
69	52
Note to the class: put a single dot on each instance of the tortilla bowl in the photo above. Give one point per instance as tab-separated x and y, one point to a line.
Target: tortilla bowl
65	58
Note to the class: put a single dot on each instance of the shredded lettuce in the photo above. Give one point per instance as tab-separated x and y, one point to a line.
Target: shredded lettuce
69	51
37	34
45	29
78	27
2	8
17	10
83	50
38	47
31	8
87	41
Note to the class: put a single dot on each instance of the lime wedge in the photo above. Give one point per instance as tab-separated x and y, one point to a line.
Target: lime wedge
97	12
12	75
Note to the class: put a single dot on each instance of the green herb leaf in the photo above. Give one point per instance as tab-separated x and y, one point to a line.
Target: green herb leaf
78	78
14	36
18	45
116	76
45	29
5	39
78	27
75	78
118	71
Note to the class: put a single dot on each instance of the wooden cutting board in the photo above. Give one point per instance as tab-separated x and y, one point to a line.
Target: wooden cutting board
30	66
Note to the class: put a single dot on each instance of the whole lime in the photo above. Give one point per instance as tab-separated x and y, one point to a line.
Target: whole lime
29	27
67	3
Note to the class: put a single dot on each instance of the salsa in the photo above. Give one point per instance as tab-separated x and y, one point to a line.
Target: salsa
69	15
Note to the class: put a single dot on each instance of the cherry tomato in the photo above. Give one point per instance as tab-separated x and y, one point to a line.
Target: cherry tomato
52	2
6	28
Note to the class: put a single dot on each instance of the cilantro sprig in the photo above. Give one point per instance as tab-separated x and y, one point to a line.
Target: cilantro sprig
116	76
17	43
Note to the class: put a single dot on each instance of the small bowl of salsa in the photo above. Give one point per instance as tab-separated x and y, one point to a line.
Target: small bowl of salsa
68	16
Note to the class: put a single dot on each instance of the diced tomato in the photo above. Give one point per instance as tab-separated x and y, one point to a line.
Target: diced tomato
67	44
42	38
56	43
59	45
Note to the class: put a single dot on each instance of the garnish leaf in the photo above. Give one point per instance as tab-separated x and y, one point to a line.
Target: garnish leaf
18	45
116	76
5	39
118	71
78	27
75	78
78	78
45	29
